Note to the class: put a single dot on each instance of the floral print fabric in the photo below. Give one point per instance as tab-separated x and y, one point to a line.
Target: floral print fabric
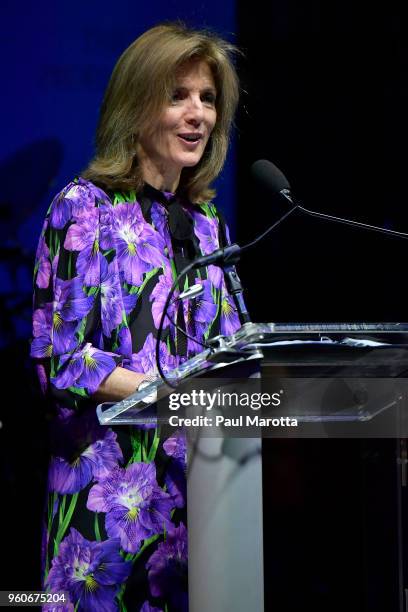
115	534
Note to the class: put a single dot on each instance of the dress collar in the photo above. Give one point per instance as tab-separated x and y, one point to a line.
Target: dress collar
156	195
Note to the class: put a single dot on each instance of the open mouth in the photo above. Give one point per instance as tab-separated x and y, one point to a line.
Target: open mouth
190	138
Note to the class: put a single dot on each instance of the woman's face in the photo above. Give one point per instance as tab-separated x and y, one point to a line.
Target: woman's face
179	137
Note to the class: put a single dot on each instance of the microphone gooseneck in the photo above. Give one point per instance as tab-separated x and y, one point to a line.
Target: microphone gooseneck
267	175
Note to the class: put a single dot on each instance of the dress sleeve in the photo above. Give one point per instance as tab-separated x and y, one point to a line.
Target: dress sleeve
68	343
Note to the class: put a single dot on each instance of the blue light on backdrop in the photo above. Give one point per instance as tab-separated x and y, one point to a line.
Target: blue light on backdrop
58	57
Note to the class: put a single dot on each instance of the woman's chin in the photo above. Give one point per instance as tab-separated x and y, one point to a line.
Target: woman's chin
190	161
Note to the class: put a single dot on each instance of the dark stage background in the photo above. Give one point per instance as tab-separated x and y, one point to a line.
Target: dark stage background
325	98
326	102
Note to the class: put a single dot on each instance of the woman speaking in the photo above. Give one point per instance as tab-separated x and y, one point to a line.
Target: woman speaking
112	244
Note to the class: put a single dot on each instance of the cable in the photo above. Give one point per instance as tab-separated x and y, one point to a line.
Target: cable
160	330
180	329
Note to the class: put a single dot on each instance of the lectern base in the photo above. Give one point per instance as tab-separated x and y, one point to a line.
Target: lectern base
224	492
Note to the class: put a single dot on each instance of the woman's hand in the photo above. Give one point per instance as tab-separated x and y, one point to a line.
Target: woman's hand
119	384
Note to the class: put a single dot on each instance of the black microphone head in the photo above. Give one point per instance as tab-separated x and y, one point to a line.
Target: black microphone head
268	176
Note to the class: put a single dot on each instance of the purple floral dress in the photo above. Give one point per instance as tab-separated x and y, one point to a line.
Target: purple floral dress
115	533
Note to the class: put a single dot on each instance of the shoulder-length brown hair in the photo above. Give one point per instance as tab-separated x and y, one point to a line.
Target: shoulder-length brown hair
140	87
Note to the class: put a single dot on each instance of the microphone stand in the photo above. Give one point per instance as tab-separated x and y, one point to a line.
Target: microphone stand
285	193
226	258
235	289
232	280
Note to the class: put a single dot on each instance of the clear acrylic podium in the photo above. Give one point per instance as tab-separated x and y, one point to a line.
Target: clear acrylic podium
330	365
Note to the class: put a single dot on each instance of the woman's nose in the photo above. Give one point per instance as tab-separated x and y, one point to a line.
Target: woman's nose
195	111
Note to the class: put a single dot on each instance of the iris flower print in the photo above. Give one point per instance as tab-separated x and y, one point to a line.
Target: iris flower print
176	446
70	306
206	230
90	572
145	359
96	461
60	210
229	316
111	303
41	345
77	200
125	342
175	479
54	325
114	299
85	368
42	377
199	314
136	507
159	220
70	300
106	220
59	607
158	298
85	196
167	569
147	607
83	237
139	248
42	279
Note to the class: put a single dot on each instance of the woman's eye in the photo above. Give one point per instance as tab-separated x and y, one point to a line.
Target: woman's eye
209	98
176	96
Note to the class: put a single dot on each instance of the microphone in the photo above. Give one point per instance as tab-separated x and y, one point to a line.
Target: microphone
229	254
273	181
268	176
